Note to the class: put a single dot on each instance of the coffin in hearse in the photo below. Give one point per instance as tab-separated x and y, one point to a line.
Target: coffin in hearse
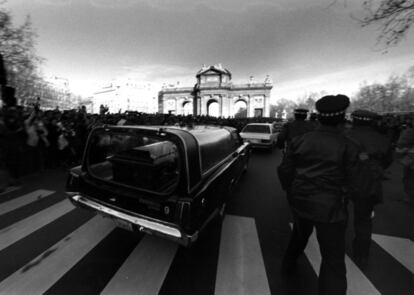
166	181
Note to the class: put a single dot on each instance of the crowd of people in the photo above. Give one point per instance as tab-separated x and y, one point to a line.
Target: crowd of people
32	139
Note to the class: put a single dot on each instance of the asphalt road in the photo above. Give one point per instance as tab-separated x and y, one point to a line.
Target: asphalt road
48	247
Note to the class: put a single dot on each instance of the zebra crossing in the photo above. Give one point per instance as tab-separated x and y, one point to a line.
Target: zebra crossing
24	200
240	268
358	283
43	271
135	277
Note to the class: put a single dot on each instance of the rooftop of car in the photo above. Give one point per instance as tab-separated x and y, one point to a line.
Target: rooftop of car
195	128
262	124
201	132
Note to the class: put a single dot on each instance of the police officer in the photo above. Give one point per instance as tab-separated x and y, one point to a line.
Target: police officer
317	173
375	156
295	128
405	145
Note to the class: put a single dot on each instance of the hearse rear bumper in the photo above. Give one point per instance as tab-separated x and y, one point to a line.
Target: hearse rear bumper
139	222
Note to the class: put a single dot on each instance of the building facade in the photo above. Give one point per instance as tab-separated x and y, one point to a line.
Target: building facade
54	93
214	94
126	95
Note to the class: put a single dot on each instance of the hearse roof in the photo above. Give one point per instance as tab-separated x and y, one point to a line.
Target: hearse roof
204	134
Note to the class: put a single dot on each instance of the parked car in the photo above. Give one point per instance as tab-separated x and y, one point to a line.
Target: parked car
166	181
262	135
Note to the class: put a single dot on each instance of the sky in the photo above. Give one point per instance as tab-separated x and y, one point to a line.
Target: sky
305	46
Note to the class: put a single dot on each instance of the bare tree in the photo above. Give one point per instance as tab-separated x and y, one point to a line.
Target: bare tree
17	45
22	64
395	18
396	95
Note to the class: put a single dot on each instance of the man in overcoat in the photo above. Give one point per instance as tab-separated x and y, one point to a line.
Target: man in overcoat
375	157
295	128
405	154
317	173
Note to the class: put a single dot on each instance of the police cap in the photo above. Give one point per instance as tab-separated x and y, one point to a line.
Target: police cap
332	105
301	111
364	115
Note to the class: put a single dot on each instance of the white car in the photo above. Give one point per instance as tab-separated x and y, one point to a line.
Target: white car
260	134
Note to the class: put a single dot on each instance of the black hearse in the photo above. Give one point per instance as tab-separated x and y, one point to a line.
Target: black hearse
166	181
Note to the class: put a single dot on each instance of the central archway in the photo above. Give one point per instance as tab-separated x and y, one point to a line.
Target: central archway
213	108
240	109
187	108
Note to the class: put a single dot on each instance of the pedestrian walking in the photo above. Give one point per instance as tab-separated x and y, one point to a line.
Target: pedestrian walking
375	157
318	173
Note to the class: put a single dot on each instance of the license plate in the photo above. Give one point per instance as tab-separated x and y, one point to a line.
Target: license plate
254	140
123	224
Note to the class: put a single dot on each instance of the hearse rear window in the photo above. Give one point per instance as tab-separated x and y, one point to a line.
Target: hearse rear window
132	159
257	129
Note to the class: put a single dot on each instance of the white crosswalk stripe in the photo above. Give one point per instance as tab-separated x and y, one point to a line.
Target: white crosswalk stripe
401	249
145	269
9	190
45	270
240	268
358	283
21	229
24	200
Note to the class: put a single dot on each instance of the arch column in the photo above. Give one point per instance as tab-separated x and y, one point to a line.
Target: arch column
266	109
179	105
232	104
203	105
226	105
229	106
220	101
249	107
197	105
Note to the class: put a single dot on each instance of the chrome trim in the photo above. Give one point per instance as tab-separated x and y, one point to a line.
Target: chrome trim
75	175
217	165
229	157
71	194
210	218
215	176
243	146
230	160
140	221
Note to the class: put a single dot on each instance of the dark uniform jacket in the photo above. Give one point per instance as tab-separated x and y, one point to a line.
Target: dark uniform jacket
317	173
375	156
406	139
291	130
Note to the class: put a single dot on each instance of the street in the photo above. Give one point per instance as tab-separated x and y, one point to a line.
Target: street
49	247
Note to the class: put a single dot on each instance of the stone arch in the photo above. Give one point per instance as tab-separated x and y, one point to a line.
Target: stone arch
240	108
170	105
213	108
187	107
